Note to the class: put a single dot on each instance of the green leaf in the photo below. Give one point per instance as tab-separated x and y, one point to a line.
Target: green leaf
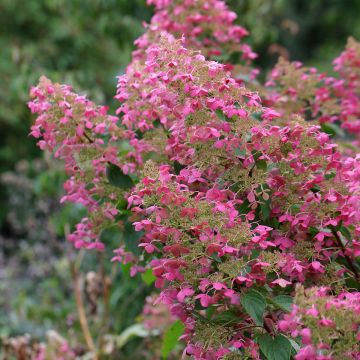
178	167
244	207
313	231
254	304
277	348
295	346
210	310
265	210
117	178
125	268
171	337
256	115
131	238
148	277
240	152
330	175
121	205
226	317
315	189
345	231
136	330
295	208
216	257
332	129
261	164
349	146
245	270
283	301
220	114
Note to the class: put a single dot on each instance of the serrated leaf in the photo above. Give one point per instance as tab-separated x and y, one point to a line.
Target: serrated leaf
277	348
148	277
171	337
254	304
117	178
284	301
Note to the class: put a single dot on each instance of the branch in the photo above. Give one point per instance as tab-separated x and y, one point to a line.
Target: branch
80	309
91	141
343	250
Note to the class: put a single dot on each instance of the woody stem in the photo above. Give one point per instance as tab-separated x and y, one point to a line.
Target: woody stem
343	250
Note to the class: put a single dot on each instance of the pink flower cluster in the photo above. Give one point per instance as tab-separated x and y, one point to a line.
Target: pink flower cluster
74	129
329	326
231	161
156	318
293	88
207	25
236	202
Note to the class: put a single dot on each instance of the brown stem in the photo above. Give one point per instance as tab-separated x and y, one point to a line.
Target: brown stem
343	250
88	137
106	281
106	290
165	130
252	169
80	309
107	285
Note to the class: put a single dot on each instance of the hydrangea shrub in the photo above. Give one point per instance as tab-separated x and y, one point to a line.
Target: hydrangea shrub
246	202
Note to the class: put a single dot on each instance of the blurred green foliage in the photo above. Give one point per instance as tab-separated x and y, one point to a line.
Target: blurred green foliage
36	281
83	43
86	44
314	32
